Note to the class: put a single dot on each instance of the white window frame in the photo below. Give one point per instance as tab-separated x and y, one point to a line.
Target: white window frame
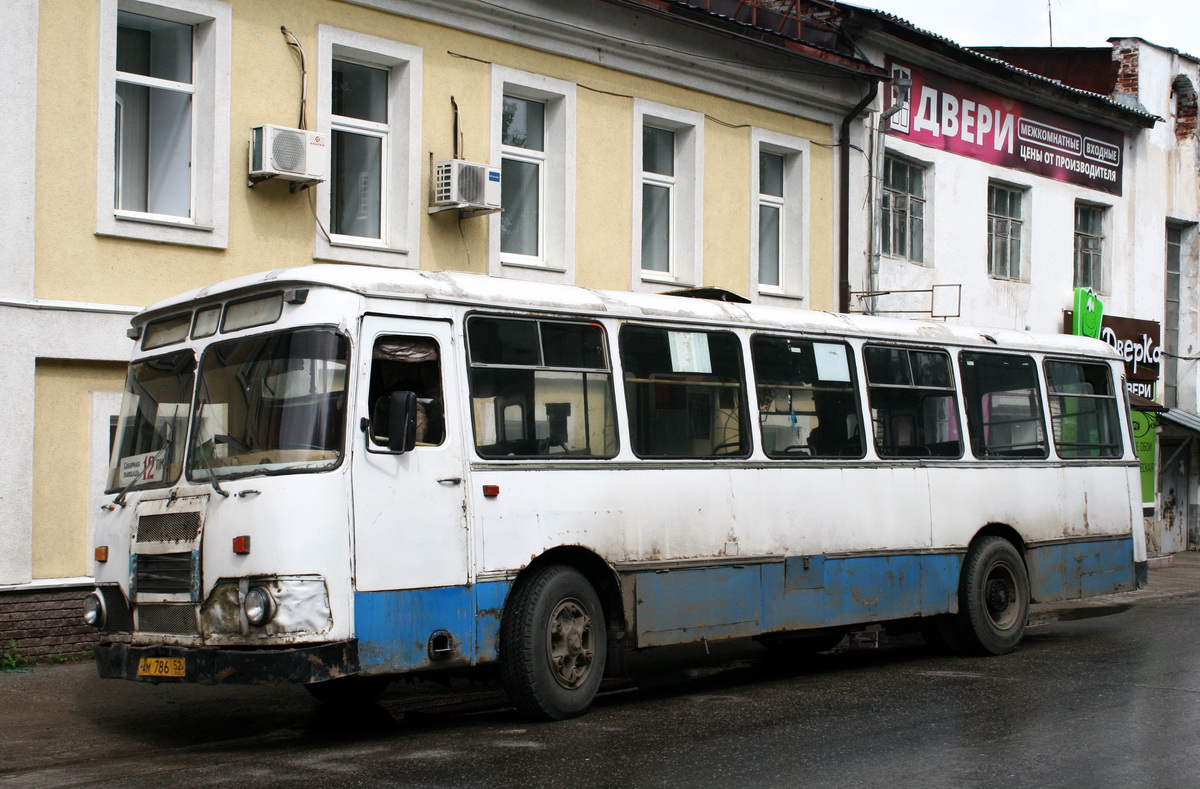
555	261
400	181
687	196
794	217
208	225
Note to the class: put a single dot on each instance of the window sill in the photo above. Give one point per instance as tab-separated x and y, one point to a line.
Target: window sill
533	266
661	278
160	228
161	219
362	252
778	294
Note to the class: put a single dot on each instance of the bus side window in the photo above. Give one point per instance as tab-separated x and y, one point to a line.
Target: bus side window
912	403
807	400
408	364
540	388
1083	410
685	391
1004	406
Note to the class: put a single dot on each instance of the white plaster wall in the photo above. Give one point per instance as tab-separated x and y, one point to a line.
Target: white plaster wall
18	97
33	330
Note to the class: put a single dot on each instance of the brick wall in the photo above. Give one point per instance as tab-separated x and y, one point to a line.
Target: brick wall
1126	55
46	623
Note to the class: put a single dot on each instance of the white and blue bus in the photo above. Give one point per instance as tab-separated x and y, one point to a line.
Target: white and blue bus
335	475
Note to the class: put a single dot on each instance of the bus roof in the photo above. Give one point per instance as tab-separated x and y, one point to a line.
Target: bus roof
496	292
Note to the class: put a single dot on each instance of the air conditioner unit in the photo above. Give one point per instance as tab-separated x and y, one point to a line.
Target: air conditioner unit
466	185
290	154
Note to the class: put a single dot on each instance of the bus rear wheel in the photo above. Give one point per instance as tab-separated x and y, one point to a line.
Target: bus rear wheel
993	601
552	644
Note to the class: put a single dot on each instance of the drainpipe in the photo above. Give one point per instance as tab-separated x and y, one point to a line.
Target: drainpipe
844	200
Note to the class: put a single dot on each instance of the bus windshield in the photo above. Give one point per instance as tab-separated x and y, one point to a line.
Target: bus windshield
271	403
149	448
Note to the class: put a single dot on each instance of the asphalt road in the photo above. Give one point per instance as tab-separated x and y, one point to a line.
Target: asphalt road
1107	701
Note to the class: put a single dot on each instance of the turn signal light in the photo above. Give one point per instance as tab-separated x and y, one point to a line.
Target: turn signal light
102	553
491	490
241	544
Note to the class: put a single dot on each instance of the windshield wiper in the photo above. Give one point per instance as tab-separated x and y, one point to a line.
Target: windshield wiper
212	477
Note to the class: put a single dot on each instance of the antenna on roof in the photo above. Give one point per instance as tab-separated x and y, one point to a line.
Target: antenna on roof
1050	19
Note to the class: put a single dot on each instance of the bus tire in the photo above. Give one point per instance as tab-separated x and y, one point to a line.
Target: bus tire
552	644
993	600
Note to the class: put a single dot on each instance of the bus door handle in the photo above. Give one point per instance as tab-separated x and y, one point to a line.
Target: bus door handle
450	481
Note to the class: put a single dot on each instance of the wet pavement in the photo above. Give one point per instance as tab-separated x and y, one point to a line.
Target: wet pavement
1101	693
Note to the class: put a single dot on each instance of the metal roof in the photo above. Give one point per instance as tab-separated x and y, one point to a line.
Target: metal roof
1141	116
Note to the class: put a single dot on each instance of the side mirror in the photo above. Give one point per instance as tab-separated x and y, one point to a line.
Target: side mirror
397	414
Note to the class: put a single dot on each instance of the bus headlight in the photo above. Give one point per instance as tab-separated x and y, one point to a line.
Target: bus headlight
93	610
259	606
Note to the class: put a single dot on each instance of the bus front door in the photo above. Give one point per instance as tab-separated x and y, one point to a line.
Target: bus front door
410	523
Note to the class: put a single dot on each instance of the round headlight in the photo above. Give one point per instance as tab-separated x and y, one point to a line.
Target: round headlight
259	606
93	610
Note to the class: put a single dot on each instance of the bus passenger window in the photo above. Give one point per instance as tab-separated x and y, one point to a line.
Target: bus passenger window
685	392
1004	405
540	388
1083	410
807	398
409	364
913	408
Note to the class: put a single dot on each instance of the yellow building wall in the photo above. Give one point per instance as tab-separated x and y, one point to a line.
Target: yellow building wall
270	227
62	433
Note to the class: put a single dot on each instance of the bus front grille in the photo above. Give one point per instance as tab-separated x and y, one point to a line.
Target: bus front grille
169	527
179	620
164	573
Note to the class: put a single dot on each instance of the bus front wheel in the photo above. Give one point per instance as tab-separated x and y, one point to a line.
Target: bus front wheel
552	644
993	600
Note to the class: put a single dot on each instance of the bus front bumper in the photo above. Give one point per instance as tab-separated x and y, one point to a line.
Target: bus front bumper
222	665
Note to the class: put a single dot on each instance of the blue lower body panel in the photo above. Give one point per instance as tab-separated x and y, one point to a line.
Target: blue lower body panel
395	628
1066	571
801	592
422	629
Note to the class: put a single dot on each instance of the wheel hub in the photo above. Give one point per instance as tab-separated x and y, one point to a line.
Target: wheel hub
569	643
1000	597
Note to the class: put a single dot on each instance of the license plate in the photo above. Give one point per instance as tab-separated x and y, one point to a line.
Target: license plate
161	667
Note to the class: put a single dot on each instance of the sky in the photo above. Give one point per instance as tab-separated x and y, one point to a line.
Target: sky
1076	23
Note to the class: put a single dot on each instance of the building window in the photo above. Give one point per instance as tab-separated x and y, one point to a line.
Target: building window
1170	363
1005	229
368	101
153	150
534	141
523	158
668	204
1089	247
658	184
164	121
358	139
778	209
903	209
770	219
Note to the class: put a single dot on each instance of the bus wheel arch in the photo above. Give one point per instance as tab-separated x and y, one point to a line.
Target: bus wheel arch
993	596
555	631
